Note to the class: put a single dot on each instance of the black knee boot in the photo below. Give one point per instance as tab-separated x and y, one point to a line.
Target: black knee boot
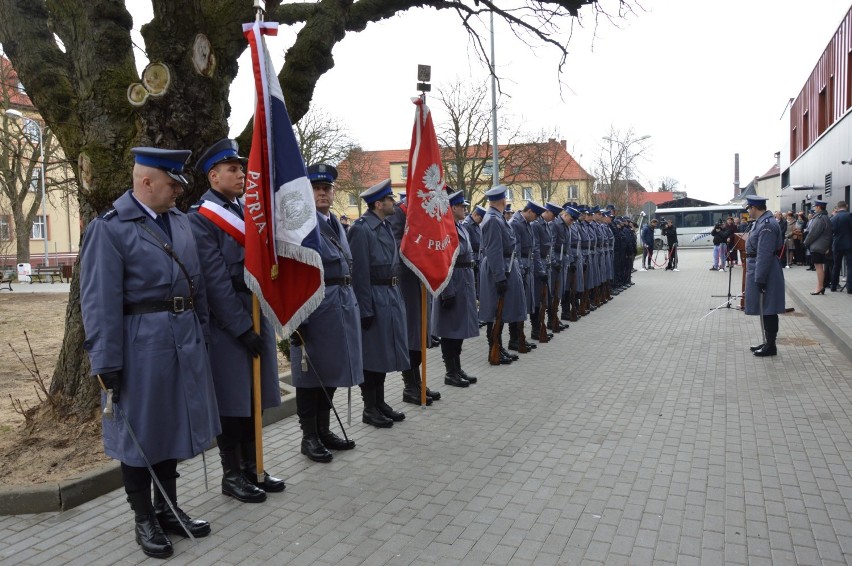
328	438
411	392
384	408
372	415
171	524
248	462
234	483
312	447
452	377
149	534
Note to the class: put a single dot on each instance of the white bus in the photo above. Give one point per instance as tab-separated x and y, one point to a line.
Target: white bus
694	223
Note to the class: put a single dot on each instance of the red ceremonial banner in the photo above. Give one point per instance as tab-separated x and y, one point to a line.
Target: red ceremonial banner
430	242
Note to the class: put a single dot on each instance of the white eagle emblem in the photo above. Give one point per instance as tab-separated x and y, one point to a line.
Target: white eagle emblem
435	200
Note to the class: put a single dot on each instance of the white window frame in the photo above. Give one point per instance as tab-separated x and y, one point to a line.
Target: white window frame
573	192
39	225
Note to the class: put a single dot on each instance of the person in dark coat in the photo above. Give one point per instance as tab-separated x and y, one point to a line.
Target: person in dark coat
764	293
575	267
144	313
409	286
454	316
648	244
233	341
500	273
669	230
472	224
552	255
527	250
841	233
818	241
375	280
335	326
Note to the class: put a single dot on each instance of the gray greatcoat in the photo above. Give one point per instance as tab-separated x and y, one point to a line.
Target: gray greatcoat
527	251
498	243
544	241
459	321
765	240
332	333
819	235
166	390
375	260
589	242
229	300
575	240
560	256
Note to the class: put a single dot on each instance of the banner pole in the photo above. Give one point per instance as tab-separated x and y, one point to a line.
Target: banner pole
423	329
256	410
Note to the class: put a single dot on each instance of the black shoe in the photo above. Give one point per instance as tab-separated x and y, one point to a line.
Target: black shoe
756	348
374	417
388	412
455	380
234	484
314	449
767	350
248	463
470	379
150	536
513	357
434	395
334	442
172	526
414	398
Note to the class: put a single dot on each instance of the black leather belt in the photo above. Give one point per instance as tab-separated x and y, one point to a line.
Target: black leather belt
391	282
175	305
464	265
345	281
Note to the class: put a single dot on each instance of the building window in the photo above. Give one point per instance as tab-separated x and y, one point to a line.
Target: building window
509	192
828	185
527	191
353	199
405	171
5	228
451	168
34	181
31	130
38	228
573	192
487	169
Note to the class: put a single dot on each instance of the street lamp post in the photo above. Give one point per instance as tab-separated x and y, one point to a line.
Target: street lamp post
18	114
625	148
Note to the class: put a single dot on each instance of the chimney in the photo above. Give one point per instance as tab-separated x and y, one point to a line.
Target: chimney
736	175
563	144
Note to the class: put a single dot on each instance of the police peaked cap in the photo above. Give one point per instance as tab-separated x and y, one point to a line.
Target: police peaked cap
457	198
322	173
535	207
756	200
223	150
553	208
377	192
172	161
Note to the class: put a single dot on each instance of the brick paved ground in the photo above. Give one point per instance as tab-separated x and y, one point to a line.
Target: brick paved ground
645	434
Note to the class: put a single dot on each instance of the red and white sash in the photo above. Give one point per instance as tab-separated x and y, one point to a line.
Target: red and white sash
232	224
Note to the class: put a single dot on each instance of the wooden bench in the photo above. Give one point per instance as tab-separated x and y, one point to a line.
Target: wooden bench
41	273
6	279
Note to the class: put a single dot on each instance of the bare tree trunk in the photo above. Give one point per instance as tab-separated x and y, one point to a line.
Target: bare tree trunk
22	239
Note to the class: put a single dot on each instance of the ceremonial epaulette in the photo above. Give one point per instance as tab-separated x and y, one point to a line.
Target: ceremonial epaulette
362	219
109	214
197	205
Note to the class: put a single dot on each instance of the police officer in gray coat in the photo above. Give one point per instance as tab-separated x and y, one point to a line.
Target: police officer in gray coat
542	288
527	250
375	279
454	315
335	326
764	292
144	315
500	273
472	225
233	341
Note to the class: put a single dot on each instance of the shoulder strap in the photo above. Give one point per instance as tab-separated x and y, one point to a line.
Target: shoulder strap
167	247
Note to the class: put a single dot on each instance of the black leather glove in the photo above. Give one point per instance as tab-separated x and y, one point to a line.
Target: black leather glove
296	340
112	380
448	302
502	287
252	342
367	322
761	287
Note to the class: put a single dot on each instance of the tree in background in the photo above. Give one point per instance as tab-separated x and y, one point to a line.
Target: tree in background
353	177
620	155
668	184
322	138
465	138
545	163
21	162
97	104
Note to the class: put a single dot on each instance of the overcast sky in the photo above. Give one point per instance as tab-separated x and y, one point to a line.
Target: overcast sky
704	80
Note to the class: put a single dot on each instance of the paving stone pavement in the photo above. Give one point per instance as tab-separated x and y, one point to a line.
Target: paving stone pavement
647	433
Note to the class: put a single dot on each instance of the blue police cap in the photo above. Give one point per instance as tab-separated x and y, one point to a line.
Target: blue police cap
457	198
610	207
575	214
756	200
377	191
322	173
171	161
220	152
480	211
535	207
596	209
821	203
497	192
553	208
508	207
